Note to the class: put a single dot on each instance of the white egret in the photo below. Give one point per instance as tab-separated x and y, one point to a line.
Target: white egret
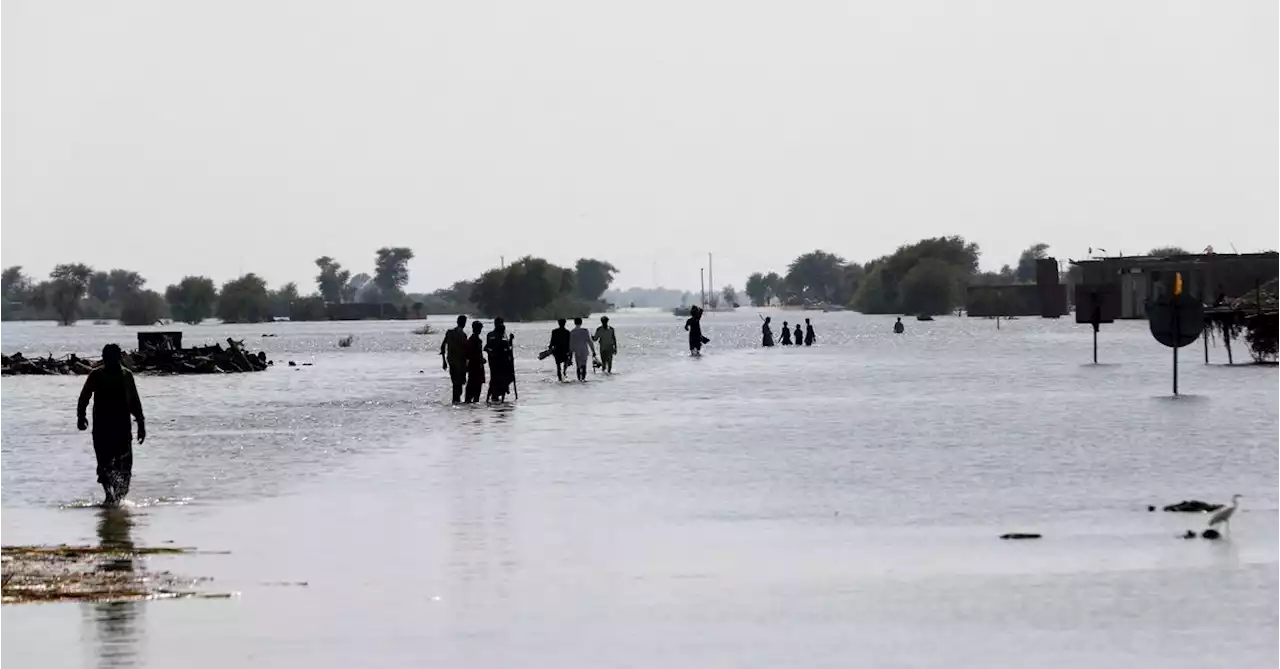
1224	514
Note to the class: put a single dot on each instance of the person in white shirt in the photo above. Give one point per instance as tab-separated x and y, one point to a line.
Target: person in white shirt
580	344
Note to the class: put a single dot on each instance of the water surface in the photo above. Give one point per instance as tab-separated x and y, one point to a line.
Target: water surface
828	506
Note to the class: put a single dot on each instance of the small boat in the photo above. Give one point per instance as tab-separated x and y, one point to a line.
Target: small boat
924	317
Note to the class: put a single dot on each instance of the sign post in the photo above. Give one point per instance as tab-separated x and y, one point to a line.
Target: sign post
1175	322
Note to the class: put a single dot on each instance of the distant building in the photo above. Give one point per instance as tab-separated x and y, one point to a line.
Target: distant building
1133	280
1046	297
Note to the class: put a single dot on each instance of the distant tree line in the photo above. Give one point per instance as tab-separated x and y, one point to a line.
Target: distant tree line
75	291
927	277
528	289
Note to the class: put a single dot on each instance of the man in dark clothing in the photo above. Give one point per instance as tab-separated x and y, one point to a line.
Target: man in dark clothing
502	371
453	354
475	363
115	399
694	326
808	333
560	349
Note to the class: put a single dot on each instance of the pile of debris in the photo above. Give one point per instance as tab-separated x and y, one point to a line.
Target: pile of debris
213	359
108	573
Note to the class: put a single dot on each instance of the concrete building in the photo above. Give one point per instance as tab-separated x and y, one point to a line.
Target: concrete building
1133	280
1046	297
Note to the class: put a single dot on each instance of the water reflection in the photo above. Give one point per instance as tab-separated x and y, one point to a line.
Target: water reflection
117	625
481	552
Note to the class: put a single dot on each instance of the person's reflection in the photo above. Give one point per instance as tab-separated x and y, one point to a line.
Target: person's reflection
116	622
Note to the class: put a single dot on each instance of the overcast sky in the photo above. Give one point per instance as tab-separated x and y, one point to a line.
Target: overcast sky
215	138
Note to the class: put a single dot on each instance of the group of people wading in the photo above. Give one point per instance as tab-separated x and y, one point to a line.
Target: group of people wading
578	346
804	337
464	358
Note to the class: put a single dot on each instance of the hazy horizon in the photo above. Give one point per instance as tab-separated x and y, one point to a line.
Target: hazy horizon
275	133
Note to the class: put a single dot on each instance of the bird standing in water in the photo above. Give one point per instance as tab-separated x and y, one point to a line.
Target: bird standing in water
1224	514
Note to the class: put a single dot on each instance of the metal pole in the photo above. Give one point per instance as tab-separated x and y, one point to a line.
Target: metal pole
1177	339
1205	337
1095	346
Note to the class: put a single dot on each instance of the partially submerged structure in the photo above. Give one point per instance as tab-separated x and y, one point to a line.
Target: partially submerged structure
1238	292
1046	297
1133	281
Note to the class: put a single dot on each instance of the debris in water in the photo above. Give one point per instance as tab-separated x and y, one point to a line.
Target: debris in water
1192	506
1020	535
1211	534
90	573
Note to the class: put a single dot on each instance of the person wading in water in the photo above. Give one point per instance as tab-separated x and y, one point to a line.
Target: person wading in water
694	326
580	342
766	332
899	328
608	344
502	371
799	335
115	399
453	356
475	363
560	349
808	333
786	334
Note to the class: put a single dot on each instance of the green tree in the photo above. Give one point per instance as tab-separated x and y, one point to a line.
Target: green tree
244	300
1026	272
68	284
391	270
851	278
332	279
1166	251
100	286
594	277
816	275
777	286
730	295
931	287
529	289
192	299
142	307
124	283
879	292
282	300
15	294
360	288
757	290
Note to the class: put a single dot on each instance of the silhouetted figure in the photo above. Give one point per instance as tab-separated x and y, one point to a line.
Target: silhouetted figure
475	363
766	333
694	327
799	335
115	399
786	334
453	356
899	328
560	349
501	364
808	333
608	340
580	342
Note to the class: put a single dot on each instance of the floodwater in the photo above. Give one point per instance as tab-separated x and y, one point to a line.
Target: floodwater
830	506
